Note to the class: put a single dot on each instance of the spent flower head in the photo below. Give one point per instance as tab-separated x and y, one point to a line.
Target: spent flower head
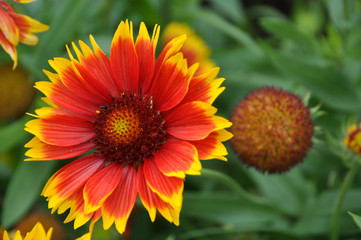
272	130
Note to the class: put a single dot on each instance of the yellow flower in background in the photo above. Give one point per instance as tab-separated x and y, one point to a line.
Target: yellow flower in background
24	1
144	123
353	139
15	28
194	49
47	221
37	233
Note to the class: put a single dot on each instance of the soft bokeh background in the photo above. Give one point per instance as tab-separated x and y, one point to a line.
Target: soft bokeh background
308	47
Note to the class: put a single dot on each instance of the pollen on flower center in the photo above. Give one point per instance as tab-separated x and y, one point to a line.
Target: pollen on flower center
128	130
121	125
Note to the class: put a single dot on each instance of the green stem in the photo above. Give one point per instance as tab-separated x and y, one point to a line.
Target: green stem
232	184
345	9
335	224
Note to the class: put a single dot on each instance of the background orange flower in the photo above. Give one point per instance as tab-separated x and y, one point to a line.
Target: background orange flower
15	28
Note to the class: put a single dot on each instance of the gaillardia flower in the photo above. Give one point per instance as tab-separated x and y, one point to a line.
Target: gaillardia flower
272	130
38	233
15	27
143	124
353	139
194	49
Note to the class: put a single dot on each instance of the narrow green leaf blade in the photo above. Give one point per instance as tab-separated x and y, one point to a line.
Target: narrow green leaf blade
230	8
286	30
12	134
24	188
227	209
62	26
291	188
229	29
356	218
329	84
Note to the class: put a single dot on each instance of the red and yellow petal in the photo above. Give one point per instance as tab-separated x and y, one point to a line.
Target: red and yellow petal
145	48
96	69
75	202
175	159
92	83
88	235
53	77
8	26
61	130
145	194
100	186
195	50
124	59
27	26
46	112
62	98
17	27
212	147
24	1
119	204
169	189
194	121
9	48
69	178
172	81
205	87
168	51
40	151
73	81
152	202
105	66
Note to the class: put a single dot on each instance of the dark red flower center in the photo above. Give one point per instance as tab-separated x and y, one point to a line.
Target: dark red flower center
129	129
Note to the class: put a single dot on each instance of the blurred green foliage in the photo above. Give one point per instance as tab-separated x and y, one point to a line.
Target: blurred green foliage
303	46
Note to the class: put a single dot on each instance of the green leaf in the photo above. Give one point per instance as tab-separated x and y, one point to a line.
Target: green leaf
231	9
286	30
326	82
23	190
317	218
356	218
227	209
12	134
229	29
4	170
226	231
291	189
61	28
340	12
